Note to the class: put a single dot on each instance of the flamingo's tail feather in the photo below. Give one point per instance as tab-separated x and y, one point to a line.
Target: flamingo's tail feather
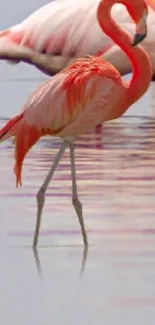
25	137
10	128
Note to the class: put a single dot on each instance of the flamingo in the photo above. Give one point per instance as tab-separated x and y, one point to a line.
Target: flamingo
79	98
59	32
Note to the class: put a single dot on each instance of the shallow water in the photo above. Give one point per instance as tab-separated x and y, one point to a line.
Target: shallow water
116	183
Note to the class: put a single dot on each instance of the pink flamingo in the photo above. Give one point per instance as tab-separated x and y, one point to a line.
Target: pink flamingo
80	97
59	32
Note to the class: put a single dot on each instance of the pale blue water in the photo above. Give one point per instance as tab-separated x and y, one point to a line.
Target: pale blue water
116	184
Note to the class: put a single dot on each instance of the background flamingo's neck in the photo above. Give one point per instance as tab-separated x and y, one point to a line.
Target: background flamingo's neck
142	71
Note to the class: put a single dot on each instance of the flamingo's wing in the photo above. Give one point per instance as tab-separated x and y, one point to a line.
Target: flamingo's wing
84	93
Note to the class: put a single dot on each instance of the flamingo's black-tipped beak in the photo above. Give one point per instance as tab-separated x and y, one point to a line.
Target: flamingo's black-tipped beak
141	30
138	38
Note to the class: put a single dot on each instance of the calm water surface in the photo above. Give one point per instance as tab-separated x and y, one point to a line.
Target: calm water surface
116	184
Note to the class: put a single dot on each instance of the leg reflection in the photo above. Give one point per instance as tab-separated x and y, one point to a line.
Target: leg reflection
84	259
83	262
37	261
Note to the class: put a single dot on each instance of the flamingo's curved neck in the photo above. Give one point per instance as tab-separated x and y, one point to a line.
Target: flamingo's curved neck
142	70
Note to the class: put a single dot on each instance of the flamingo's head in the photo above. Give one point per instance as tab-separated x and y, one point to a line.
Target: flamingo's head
139	12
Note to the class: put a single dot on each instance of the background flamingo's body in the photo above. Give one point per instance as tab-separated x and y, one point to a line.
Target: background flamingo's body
66	31
62	28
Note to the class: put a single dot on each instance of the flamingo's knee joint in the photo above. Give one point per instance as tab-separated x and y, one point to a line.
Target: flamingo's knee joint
76	202
41	197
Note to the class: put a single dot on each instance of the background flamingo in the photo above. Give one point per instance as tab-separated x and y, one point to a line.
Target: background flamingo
80	97
60	32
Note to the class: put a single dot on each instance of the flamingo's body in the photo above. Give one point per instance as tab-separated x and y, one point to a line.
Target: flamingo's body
80	97
71	103
61	31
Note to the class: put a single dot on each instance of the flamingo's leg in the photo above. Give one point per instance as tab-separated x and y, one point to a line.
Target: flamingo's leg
43	188
76	203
